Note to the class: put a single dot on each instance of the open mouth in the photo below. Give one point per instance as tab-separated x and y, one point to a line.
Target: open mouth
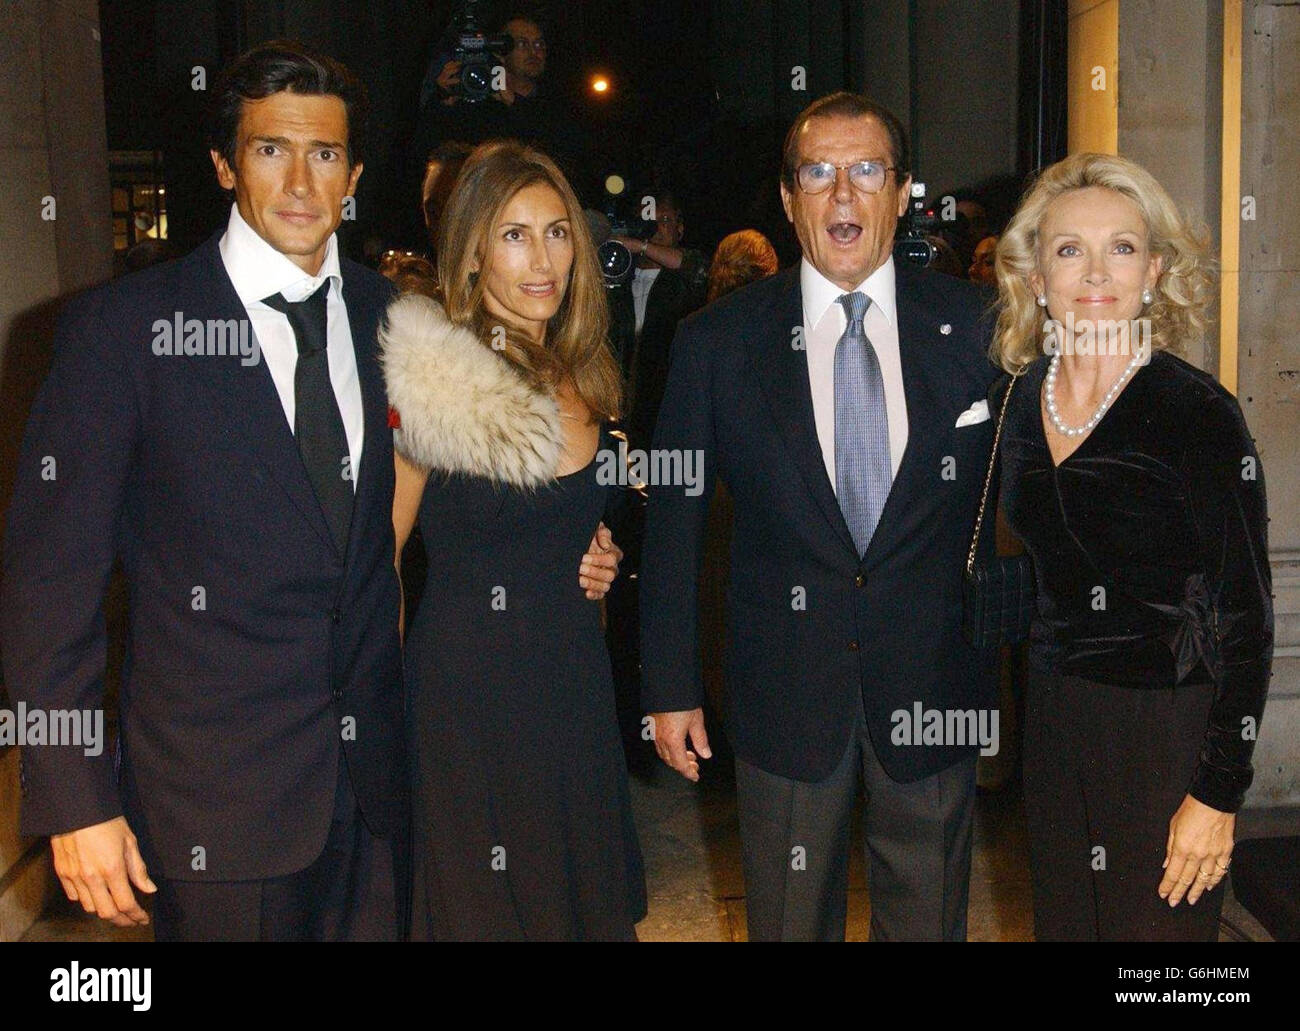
537	289
844	232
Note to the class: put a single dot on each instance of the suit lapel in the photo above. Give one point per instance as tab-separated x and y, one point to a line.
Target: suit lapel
249	403
782	372
924	393
363	320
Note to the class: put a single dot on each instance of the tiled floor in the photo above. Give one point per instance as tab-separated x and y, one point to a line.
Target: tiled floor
692	852
693	870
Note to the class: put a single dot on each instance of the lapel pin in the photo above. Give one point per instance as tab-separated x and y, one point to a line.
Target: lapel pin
945	329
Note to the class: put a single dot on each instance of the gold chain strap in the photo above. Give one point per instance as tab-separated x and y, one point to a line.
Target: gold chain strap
988	476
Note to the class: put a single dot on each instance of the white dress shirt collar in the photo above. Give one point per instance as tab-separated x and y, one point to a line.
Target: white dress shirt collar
258	270
820	294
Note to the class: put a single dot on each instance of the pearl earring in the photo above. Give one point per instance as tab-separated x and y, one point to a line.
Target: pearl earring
1146	297
1042	300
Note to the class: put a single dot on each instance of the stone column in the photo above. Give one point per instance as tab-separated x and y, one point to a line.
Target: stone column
1268	352
1163	98
56	235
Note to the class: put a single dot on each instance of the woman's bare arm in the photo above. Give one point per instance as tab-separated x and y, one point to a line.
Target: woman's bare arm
407	492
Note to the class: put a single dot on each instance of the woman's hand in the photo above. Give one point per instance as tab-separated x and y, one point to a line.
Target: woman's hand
1198	851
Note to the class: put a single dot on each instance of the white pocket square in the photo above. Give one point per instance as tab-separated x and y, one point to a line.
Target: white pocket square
978	412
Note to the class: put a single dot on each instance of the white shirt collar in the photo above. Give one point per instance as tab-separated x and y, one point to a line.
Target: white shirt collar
258	270
819	293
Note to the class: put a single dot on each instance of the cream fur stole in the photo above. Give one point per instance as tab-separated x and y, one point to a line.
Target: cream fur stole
463	407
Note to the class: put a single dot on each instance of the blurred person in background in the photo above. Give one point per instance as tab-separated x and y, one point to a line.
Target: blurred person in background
669	283
740	258
982	270
441	170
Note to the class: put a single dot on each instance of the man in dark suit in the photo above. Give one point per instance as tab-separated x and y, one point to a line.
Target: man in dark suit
842	404
219	423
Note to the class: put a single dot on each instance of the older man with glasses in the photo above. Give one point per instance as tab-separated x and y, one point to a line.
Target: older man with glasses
843	403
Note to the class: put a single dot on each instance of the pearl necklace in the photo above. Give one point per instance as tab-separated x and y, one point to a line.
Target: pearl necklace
1050	392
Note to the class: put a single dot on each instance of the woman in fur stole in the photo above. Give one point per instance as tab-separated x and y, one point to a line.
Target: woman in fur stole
501	390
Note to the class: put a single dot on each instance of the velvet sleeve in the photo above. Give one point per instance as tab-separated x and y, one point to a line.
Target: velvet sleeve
1226	493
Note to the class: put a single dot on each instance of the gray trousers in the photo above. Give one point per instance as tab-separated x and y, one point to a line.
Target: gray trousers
795	849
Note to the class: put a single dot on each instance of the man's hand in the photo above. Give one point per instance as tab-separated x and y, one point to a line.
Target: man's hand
1198	851
449	79
98	865
600	564
671	729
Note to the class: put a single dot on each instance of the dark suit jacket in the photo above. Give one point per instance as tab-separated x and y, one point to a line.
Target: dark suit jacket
235	696
674	294
887	626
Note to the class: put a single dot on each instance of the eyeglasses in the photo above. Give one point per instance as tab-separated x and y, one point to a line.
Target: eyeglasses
819	176
537	45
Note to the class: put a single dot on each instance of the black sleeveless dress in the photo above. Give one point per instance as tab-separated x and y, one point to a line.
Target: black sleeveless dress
522	818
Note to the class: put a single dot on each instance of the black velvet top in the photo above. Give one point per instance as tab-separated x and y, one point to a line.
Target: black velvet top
1150	549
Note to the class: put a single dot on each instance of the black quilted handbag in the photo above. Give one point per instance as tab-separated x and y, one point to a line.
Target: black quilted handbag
999	596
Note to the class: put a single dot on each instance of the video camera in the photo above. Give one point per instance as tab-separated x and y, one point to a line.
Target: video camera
476	52
620	216
917	223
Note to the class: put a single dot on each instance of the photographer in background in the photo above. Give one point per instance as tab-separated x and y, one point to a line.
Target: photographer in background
524	109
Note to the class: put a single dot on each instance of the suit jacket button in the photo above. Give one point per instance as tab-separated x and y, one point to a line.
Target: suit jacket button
335	616
338	694
853	646
859	580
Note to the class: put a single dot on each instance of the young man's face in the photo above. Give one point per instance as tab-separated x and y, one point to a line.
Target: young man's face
291	173
528	58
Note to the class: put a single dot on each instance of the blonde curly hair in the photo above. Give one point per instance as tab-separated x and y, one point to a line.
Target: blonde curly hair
1183	292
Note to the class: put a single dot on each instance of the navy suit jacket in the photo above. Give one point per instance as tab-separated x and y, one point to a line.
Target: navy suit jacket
259	661
811	626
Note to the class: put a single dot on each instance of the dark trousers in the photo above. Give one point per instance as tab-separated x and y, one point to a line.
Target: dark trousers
347	894
795	849
1106	767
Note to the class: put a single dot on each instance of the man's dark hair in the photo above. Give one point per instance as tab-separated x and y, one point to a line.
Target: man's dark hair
520	14
666	196
847	105
275	67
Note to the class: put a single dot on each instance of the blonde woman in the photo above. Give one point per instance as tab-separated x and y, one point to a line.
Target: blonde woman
501	392
1131	478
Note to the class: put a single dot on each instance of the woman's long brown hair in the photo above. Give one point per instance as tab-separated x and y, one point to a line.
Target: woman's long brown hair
576	347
